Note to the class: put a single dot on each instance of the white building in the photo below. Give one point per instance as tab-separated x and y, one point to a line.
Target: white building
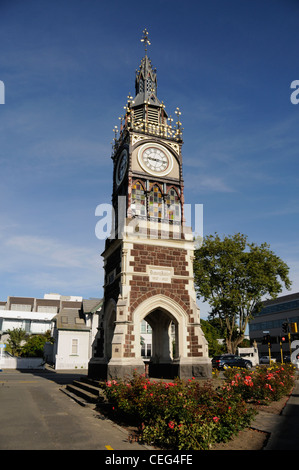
71	320
146	340
74	332
32	315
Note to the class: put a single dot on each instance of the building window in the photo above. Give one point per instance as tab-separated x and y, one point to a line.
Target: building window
20	307
173	206
146	350
111	277
148	85
155	203
39	327
27	326
145	328
11	324
138	205
47	309
75	346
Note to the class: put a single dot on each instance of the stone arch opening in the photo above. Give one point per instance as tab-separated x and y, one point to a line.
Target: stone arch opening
168	322
109	329
165	345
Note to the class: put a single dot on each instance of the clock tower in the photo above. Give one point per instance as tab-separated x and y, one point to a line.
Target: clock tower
148	258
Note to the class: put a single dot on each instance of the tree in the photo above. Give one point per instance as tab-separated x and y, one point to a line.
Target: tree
34	346
21	344
16	337
233	276
212	336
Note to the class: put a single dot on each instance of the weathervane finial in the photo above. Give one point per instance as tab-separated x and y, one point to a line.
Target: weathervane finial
146	40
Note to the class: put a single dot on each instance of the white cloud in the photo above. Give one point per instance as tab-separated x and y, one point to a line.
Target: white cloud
37	263
235	159
208	183
50	252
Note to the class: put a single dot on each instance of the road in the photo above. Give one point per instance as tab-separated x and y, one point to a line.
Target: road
36	415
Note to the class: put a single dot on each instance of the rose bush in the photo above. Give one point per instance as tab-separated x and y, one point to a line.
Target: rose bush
182	415
262	385
192	415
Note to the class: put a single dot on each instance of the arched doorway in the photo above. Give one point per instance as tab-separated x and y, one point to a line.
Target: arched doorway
109	328
168	323
165	344
164	335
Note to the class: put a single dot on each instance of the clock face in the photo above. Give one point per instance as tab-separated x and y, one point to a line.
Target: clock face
155	159
121	167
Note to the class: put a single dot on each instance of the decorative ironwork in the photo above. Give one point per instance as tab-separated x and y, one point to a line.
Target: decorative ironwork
146	40
147	116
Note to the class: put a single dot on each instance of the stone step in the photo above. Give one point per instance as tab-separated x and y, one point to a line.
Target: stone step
85	391
91	388
96	383
80	393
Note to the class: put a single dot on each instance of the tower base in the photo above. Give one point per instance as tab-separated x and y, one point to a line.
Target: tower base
116	369
199	368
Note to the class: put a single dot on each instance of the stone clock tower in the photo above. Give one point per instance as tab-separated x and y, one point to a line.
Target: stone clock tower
148	258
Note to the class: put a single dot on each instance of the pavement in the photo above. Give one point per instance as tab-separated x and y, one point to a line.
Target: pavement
36	415
283	429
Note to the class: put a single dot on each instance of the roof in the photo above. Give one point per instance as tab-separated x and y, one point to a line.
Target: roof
281	299
70	319
91	305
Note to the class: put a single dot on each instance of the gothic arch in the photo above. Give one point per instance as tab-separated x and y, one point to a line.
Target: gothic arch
152	185
175	188
109	326
155	202
164	309
138	199
173	205
140	182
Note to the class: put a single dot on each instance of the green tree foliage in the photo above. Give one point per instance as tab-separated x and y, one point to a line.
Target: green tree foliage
34	347
20	343
17	336
233	276
212	336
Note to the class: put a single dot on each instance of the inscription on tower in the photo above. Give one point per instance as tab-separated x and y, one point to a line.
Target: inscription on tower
160	274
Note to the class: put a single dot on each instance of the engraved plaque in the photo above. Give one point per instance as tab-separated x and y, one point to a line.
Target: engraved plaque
160	274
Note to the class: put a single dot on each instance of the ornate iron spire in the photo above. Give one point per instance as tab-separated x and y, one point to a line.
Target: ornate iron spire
145	113
146	40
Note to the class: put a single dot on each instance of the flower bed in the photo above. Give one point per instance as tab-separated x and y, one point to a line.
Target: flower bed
192	415
262	385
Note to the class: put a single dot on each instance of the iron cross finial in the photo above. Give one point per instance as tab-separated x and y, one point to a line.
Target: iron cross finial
146	40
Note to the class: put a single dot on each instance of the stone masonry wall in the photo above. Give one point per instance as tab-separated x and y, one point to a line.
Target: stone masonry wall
142	289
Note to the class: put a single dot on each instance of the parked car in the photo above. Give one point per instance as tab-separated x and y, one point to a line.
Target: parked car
230	360
266	360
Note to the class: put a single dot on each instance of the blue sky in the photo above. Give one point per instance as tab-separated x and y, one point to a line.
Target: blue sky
68	66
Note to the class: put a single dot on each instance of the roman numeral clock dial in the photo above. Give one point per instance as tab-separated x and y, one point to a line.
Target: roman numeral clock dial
121	167
155	159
